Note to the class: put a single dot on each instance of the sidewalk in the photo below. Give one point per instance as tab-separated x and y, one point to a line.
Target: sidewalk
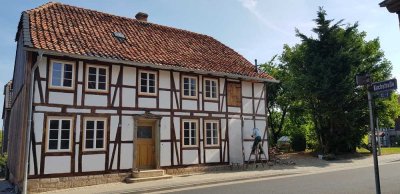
304	165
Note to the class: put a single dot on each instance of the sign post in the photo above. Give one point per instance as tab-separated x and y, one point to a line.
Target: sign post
383	89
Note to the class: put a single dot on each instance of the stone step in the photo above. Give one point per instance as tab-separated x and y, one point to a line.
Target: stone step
148	173
136	180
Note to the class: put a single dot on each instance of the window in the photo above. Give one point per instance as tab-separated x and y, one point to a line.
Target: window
212	133
234	96
189	86
62	74
59	134
190	133
210	88
96	78
147	82
94	133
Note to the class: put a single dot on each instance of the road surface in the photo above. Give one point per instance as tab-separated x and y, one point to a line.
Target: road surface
359	180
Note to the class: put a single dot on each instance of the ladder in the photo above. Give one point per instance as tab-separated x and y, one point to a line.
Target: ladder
258	157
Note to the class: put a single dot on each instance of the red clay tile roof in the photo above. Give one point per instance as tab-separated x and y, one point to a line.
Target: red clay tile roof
73	30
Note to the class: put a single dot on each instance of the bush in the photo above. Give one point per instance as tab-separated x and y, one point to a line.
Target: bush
298	142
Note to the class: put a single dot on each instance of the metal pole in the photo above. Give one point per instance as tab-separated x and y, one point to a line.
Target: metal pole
379	136
373	141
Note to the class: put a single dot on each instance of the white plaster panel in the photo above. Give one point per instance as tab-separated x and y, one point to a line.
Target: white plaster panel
177	125
147	102
165	127
79	95
177	80
44	85
160	113
126	155
31	167
76	158
178	145
43	67
77	110
233	109
182	113
258	88
246	89
218	115
106	111
36	98
200	83
128	97
115	73
221	85
201	114
189	104
261	125
127	128
165	99
114	126
165	80
212	155
200	130
235	141
190	157
116	101
223	128
175	106
93	162
38	126
47	109
129	77
95	100
165	156
261	106
222	100
211	106
57	164
248	126
132	112
61	98
111	147
247	105
77	129
80	71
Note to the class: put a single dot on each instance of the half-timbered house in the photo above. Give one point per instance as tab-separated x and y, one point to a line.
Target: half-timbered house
96	94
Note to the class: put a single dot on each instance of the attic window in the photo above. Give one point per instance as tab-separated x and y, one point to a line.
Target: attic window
120	37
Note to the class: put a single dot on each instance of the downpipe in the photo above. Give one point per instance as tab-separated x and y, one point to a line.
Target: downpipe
28	131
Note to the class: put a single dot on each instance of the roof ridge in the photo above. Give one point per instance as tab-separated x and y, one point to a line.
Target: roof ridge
46	5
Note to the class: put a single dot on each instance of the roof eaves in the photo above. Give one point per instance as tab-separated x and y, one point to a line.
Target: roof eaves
157	66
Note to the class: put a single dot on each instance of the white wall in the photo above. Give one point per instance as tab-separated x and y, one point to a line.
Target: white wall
235	141
95	100
61	98
58	164
93	162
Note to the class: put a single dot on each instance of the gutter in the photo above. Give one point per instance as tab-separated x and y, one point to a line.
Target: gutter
156	66
28	131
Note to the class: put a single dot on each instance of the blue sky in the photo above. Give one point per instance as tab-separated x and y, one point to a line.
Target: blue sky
254	28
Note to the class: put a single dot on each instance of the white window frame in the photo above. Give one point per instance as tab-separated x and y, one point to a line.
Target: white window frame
97	78
197	133
147	83
71	127
205	89
212	135
95	119
62	75
189	89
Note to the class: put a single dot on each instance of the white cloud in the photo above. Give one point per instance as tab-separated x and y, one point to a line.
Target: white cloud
251	5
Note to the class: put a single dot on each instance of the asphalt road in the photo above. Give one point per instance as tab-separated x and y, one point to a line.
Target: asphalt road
359	180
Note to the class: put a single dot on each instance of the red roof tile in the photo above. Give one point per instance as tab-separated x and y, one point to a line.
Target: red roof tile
73	30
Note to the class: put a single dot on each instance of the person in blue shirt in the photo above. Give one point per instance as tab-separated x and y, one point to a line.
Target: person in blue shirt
257	138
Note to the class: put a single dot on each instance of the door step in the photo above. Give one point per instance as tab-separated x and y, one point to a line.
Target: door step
147	175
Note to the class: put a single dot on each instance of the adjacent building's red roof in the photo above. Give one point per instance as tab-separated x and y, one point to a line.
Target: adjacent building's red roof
74	30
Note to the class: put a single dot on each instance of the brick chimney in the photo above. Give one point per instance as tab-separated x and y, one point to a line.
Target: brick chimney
142	16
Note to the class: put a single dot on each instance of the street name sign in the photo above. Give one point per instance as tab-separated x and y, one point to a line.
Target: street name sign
384	94
384	86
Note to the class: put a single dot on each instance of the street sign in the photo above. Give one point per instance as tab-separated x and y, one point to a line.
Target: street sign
384	86
384	94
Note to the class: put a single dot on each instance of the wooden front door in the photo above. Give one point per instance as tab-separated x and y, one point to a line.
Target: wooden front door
145	145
